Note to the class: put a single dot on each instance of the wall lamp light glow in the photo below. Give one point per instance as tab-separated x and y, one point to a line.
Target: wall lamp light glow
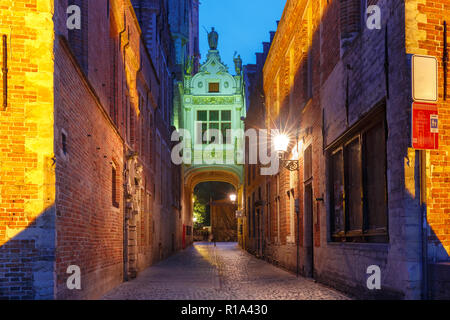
281	144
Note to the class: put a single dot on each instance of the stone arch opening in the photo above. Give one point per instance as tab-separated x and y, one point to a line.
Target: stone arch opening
221	211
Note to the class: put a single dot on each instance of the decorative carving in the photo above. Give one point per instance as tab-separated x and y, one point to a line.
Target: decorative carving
133	201
213	100
133	179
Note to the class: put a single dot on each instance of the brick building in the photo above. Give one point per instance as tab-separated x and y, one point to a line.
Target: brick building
85	171
361	196
255	188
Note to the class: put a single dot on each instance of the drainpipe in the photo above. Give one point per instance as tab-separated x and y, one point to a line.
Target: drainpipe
125	228
5	72
424	228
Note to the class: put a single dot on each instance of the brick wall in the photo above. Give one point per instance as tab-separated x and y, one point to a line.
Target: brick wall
349	78
81	102
89	227
26	142
425	35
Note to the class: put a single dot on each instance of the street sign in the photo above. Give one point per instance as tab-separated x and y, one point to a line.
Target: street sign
425	126
424	78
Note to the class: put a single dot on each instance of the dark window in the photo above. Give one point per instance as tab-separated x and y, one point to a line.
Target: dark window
213	87
353	187
374	178
202	115
225	127
357	188
214	115
226	115
115	196
64	143
337	189
308	163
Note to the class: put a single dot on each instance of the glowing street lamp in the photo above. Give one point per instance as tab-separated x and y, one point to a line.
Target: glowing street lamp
281	144
233	197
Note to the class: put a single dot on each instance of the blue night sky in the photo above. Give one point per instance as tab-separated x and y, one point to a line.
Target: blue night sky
242	26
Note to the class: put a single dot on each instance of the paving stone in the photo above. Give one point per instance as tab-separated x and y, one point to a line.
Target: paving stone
224	272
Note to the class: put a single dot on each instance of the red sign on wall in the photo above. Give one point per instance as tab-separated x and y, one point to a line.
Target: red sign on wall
425	132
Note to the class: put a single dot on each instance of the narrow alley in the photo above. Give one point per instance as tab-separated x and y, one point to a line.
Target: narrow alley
224	272
308	139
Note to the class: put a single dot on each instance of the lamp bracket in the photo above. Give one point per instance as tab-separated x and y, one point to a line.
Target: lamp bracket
291	165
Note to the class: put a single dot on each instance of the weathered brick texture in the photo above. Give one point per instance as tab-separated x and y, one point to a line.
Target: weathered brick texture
325	71
27	189
86	177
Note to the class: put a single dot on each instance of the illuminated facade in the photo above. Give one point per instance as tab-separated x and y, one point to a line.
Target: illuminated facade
86	174
362	196
212	99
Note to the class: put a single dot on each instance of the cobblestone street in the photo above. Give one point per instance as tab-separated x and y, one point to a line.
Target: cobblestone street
225	272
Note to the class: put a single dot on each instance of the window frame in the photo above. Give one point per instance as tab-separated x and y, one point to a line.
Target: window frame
214	83
365	234
208	122
115	186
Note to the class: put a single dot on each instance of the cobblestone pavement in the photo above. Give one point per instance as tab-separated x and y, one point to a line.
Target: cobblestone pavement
225	272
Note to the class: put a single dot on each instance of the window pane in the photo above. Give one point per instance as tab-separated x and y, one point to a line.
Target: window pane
213	126
202	116
204	129
226	115
225	127
338	193
214	116
213	87
375	179
353	185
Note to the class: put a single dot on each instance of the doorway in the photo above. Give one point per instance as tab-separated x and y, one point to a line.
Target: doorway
309	231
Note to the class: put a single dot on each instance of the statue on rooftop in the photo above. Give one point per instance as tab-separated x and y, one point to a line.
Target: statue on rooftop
237	64
213	39
189	65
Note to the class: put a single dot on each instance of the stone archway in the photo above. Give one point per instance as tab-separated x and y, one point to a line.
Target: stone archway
195	176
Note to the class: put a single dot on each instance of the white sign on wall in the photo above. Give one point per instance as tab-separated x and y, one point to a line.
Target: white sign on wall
424	78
